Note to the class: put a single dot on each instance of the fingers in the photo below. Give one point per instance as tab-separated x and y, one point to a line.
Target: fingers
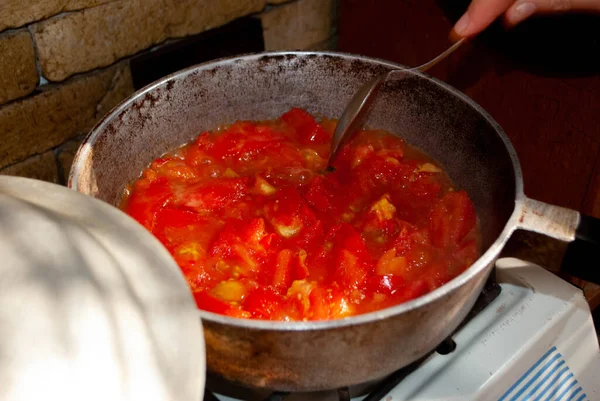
519	12
480	15
523	9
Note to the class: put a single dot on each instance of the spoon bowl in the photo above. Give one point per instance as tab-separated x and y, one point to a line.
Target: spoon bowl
356	110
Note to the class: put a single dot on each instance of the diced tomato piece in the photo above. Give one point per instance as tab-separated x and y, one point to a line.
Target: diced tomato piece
311	234
214	195
307	129
419	256
209	303
288	201
385	284
346	237
173	226
248	252
262	303
404	238
204	142
319	304
412	290
451	219
230	290
320	195
143	205
350	271
226	240
253	231
299	268
389	263
270	241
282	278
376	173
177	218
426	189
245	141
285	206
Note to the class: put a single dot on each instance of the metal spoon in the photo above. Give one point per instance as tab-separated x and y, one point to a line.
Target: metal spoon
355	111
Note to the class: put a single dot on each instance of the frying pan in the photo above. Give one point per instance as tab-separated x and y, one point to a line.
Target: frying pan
307	356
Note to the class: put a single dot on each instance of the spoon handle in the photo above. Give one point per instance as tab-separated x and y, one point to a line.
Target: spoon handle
355	112
446	53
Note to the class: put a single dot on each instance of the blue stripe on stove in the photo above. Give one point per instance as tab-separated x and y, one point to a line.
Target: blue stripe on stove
549	379
551	384
577	390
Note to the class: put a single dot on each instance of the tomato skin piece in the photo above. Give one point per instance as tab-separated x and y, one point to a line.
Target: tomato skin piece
451	219
307	129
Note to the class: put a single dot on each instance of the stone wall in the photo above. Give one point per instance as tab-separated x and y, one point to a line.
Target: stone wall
65	63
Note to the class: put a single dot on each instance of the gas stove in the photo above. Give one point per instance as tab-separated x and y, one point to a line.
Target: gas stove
529	337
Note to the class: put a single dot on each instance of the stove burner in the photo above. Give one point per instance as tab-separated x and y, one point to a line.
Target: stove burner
490	291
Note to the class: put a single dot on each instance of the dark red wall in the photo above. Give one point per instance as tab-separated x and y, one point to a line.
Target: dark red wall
540	82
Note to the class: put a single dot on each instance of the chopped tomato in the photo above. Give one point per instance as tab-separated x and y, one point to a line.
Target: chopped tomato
260	231
385	284
214	195
350	272
210	303
145	204
283	270
263	303
319	304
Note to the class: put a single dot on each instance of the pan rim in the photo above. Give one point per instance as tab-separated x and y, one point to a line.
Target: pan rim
480	264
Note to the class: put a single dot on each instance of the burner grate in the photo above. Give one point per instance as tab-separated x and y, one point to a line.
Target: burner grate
490	291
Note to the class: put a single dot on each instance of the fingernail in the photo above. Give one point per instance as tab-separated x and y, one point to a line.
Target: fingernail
462	24
524	11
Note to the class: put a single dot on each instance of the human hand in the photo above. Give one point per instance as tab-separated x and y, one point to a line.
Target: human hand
481	13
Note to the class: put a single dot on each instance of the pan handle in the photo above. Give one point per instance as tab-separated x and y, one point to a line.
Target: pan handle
583	233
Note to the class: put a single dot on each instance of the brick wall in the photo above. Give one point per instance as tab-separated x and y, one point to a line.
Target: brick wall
65	63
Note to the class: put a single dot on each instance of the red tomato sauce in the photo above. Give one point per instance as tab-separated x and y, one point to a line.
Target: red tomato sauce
260	231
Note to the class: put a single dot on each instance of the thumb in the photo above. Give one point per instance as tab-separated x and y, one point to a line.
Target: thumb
523	9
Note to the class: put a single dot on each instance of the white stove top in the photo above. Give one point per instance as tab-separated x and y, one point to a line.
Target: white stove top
535	341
